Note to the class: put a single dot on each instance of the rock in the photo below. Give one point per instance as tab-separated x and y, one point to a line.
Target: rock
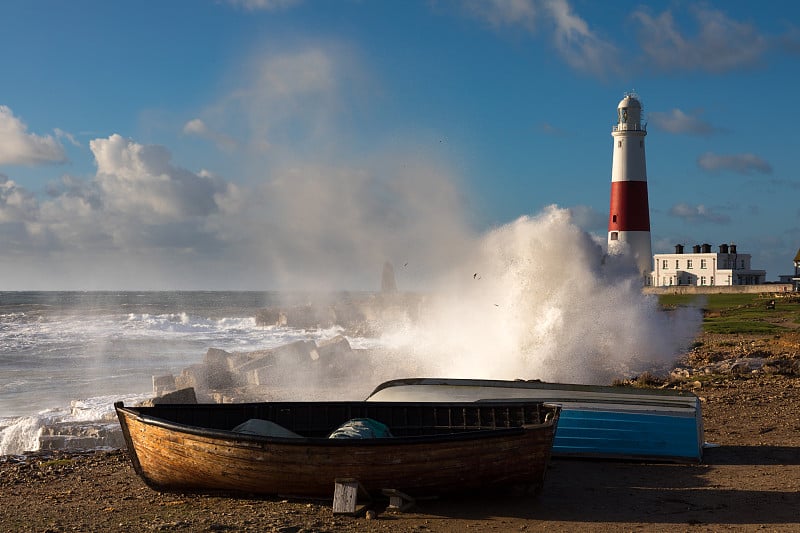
254	362
296	351
303	316
205	377
162	384
80	436
193	376
186	395
218	372
215	356
338	358
260	376
679	374
270	317
235	360
739	367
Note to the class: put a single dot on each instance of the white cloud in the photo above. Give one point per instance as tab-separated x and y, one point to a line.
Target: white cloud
61	134
721	43
739	163
197	128
499	13
676	121
698	214
18	147
264	5
16	204
304	216
582	48
577	44
306	225
137	178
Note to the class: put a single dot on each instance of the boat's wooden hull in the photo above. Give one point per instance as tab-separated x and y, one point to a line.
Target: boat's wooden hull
184	456
596	421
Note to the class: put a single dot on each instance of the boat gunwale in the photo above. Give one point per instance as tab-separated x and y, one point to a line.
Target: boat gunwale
229	435
534	384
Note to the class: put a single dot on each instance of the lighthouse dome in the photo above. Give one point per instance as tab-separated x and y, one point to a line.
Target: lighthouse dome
629	101
629	114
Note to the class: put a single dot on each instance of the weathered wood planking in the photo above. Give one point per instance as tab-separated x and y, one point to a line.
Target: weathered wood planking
171	455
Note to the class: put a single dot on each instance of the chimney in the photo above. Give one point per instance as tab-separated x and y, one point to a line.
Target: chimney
678	248
733	248
706	248
696	249
723	248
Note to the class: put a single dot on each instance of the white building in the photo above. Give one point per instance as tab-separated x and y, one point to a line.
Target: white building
704	267
794	279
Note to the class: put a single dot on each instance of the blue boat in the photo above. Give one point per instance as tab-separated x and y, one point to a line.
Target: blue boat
596	421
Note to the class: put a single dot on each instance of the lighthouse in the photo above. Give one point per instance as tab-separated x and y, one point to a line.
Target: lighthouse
629	215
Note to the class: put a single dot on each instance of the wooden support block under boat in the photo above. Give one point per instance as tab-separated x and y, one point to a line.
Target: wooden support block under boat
346	495
398	501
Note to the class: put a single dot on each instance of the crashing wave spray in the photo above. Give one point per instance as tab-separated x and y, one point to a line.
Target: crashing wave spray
539	299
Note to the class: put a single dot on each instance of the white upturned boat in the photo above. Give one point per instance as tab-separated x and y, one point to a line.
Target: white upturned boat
596	421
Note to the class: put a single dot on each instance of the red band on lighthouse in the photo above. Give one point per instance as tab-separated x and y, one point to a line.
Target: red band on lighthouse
629	208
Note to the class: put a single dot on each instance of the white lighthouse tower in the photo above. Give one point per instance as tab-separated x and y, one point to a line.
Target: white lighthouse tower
629	216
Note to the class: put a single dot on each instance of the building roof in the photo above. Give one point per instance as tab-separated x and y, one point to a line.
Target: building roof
797	257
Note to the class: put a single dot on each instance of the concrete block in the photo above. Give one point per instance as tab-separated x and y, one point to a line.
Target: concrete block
162	384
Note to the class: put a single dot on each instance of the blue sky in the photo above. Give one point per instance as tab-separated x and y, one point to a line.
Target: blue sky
260	144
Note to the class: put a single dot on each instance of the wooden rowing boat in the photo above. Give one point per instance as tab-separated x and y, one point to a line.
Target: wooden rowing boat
596	421
435	448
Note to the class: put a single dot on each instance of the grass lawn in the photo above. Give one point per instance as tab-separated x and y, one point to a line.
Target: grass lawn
739	313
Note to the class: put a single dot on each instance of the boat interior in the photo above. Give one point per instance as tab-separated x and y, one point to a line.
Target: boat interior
319	419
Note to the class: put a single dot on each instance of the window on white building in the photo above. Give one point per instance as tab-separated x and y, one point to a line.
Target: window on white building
614	236
688	263
664	263
703	263
677	264
702	280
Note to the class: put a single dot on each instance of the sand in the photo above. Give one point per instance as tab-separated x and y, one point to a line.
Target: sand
750	482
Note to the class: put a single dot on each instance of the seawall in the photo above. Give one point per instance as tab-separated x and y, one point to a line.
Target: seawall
770	288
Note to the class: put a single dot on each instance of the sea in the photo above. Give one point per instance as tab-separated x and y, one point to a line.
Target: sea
68	356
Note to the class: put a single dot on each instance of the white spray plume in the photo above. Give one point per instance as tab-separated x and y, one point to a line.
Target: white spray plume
539	299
